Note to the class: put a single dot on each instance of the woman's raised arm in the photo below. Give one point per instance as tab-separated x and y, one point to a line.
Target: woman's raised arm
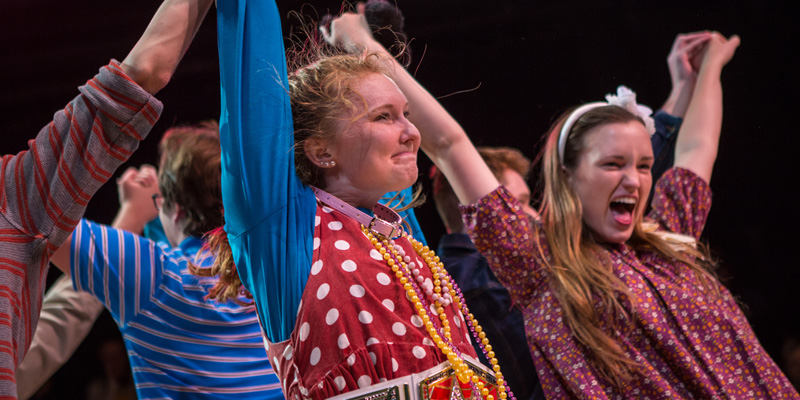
443	139
153	59
697	144
269	214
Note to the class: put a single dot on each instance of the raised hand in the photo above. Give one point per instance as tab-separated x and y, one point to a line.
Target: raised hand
136	188
684	64
349	31
684	58
719	50
697	144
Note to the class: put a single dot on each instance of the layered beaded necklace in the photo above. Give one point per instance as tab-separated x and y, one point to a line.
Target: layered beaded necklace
442	292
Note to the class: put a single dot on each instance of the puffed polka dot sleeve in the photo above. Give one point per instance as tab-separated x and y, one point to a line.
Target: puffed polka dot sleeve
510	240
682	201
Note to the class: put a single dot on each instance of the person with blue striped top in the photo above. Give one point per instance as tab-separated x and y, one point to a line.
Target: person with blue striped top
179	345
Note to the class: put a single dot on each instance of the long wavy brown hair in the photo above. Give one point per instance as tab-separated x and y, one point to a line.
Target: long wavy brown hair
582	277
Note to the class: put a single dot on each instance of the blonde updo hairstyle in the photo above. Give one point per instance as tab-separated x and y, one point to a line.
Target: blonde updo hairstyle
319	93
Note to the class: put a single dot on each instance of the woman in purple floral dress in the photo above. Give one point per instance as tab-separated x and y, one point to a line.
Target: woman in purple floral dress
617	305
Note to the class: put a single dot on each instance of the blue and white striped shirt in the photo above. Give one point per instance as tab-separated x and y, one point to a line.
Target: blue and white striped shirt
179	345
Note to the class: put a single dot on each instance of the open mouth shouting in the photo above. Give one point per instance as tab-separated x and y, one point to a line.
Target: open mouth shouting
622	209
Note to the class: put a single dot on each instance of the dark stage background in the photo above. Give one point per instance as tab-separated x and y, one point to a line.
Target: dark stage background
529	60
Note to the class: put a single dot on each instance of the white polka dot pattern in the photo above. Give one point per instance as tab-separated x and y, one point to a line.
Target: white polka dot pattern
316	267
355	326
332	316
287	353
339	382
304	330
323	291
399	329
365	317
349	266
315	356
364	381
384	279
343	342
357	291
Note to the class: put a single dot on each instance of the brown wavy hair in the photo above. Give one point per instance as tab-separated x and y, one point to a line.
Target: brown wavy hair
582	277
189	175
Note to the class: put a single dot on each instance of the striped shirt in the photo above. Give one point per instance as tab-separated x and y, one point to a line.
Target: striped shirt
44	192
179	345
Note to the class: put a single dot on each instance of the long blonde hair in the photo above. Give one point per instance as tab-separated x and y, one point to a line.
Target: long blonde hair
581	272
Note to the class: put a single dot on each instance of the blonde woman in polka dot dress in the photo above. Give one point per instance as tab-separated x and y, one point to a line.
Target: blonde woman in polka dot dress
341	308
616	308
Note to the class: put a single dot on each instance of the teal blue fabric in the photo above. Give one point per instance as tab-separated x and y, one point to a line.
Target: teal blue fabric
269	213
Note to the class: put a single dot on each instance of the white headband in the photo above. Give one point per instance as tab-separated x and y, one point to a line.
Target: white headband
625	98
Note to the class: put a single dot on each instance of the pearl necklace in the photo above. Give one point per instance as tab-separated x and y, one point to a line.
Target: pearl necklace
442	293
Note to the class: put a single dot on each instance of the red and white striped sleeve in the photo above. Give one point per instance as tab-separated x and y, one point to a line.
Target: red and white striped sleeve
44	192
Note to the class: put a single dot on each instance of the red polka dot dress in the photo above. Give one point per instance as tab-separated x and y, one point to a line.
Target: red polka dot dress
691	344
355	326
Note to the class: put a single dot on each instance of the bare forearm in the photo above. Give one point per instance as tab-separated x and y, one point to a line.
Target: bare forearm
678	101
61	257
155	56
698	141
129	219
